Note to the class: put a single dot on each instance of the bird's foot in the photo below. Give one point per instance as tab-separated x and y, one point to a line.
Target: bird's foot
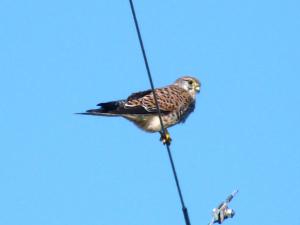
165	139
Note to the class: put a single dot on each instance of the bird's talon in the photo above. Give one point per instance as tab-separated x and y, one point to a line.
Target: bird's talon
165	139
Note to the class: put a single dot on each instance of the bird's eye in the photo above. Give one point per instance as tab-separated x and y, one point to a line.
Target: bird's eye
191	82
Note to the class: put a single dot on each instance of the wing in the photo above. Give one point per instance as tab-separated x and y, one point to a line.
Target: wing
137	95
115	108
170	98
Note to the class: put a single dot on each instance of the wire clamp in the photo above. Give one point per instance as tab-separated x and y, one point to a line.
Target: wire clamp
222	212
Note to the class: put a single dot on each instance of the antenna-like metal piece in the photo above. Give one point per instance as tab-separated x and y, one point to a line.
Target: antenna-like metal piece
222	212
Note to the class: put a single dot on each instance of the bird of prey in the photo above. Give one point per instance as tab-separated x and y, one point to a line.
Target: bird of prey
176	102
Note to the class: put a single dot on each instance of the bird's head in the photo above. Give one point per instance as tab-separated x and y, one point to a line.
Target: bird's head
191	84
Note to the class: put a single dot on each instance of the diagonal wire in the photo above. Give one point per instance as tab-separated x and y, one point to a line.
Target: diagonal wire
184	209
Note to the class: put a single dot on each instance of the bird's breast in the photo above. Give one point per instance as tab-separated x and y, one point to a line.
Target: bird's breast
184	113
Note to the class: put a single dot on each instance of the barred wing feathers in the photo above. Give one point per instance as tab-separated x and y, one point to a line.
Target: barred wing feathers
170	98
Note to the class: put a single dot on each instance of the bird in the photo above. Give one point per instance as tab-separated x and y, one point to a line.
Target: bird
176	102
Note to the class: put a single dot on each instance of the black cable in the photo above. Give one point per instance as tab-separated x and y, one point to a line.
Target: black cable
148	70
184	209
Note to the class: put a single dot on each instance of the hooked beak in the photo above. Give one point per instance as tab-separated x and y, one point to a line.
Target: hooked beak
197	89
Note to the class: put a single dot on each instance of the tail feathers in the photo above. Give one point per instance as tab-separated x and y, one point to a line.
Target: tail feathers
108	106
107	109
93	113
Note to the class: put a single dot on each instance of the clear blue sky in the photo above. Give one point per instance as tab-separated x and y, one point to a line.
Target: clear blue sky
61	57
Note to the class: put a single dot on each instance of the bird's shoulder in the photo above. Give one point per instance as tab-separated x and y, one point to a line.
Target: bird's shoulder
174	91
169	98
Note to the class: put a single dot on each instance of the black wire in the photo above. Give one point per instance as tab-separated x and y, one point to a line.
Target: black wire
148	70
184	209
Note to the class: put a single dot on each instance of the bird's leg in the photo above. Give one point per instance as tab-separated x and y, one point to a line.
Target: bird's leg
165	139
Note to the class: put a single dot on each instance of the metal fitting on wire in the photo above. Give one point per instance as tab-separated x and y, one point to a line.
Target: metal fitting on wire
222	212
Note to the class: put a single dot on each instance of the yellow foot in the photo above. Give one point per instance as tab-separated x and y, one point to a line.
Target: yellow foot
165	139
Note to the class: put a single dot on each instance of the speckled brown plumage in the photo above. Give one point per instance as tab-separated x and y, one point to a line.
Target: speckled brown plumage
169	98
175	101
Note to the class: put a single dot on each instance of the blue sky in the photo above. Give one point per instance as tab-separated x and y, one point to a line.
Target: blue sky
62	57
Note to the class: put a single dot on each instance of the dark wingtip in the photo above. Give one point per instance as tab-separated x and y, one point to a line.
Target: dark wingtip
81	114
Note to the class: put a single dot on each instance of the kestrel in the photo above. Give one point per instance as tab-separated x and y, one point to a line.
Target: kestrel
176	102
